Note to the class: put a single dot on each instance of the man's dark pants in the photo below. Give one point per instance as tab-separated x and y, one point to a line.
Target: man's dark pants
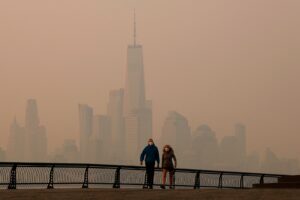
150	174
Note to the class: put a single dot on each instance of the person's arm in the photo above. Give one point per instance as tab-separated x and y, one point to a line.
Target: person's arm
142	157
175	160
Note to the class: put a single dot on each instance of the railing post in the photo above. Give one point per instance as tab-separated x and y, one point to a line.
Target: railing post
197	181
86	178
13	178
220	180
242	181
145	186
174	179
117	178
261	181
50	184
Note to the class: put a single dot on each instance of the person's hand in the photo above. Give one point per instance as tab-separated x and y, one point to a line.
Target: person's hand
157	166
141	162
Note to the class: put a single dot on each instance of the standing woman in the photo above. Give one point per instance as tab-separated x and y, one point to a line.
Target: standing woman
167	165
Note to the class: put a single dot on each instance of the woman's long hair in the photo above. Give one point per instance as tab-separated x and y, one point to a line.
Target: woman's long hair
169	147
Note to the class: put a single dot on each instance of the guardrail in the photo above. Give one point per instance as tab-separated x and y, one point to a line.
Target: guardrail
74	175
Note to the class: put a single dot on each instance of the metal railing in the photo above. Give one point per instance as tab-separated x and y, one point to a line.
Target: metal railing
73	175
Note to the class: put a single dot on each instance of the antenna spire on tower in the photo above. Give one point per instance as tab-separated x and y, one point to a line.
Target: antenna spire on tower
134	29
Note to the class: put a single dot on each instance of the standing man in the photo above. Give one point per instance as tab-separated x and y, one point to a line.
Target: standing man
152	155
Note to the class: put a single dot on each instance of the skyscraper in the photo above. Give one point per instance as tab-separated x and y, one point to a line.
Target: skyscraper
102	131
205	147
240	134
70	150
137	112
32	120
135	84
115	113
35	134
16	142
176	132
85	129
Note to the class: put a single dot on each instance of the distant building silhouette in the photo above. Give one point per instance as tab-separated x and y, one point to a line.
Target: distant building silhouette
240	134
117	131
271	163
16	142
205	147
36	140
228	153
137	112
252	163
177	133
94	149
102	135
67	153
85	130
28	143
70	151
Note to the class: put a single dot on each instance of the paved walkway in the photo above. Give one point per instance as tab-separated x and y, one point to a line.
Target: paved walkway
132	194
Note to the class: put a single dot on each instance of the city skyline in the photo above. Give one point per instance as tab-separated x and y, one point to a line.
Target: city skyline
275	120
102	141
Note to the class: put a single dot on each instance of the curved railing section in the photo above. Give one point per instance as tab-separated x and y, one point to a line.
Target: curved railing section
15	175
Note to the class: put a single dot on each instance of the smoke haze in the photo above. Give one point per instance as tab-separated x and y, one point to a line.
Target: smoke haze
216	62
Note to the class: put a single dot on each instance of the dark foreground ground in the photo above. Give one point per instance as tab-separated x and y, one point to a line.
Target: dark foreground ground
134	194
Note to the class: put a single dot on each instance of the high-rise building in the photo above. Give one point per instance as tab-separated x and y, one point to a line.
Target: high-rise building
205	146
32	120
85	130
67	153
233	149
176	132
240	134
102	131
70	151
35	134
115	114
16	142
94	150
137	112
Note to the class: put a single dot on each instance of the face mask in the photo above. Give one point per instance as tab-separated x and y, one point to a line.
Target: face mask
150	143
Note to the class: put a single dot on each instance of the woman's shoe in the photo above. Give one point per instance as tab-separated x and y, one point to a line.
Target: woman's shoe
162	187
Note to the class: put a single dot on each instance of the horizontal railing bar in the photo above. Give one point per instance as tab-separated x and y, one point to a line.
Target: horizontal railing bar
128	167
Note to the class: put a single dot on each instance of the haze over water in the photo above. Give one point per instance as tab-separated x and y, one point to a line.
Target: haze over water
216	62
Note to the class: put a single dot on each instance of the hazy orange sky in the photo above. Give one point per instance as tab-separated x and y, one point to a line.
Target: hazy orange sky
215	61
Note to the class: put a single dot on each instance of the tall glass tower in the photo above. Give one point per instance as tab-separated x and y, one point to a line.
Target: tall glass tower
137	110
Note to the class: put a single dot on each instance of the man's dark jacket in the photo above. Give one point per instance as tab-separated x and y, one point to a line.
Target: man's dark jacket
151	153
